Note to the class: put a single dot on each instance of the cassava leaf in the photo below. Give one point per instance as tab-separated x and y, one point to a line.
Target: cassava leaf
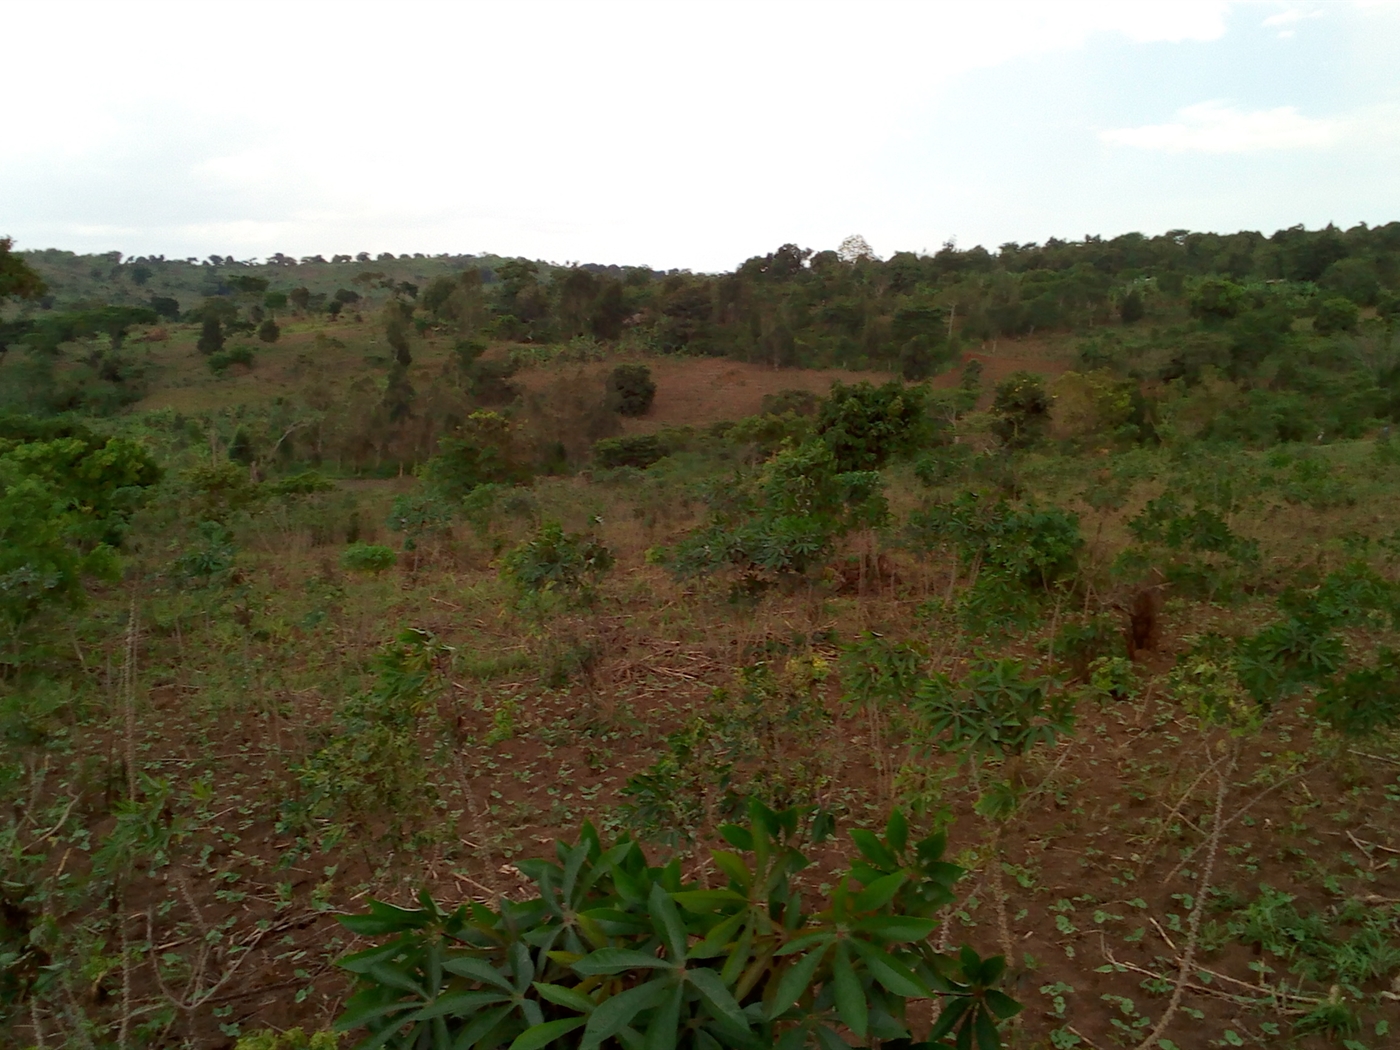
850	996
540	1035
795	980
717	996
615	960
880	892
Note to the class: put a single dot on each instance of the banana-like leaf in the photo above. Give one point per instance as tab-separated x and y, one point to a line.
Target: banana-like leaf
873	849
664	1030
719	938
733	865
1001	1004
480	1026
396	977
805	941
829	1040
385	918
897	831
702	902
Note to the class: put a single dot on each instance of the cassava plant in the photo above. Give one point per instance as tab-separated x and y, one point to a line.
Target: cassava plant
784	522
614	952
999	712
555	562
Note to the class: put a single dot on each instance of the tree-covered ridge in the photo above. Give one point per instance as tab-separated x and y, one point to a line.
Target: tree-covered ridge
790	307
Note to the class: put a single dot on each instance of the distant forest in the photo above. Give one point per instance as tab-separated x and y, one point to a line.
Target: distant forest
1301	311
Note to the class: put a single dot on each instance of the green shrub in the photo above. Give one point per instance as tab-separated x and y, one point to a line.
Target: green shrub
303	483
782	522
1037	547
631	390
611	948
1216	299
866	425
636	450
553	562
1021	410
372	770
1131	309
1336	315
211	557
768	433
220	361
798	402
419	516
482	451
995	709
367	557
269	331
64	507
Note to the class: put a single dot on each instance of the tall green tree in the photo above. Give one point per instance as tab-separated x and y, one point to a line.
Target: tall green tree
17	279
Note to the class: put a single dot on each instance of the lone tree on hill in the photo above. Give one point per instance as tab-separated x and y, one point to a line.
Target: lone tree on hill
17	280
211	336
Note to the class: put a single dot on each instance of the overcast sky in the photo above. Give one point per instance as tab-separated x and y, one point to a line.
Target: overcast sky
686	134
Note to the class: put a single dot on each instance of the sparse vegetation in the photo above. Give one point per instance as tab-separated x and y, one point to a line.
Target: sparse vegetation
385	684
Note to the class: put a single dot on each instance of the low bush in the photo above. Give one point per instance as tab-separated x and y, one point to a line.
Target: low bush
555	562
637	450
611	949
631	390
367	557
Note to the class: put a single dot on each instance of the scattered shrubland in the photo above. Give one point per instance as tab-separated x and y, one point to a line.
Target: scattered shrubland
383	659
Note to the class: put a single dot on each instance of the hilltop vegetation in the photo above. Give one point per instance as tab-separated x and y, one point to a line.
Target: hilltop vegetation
1008	652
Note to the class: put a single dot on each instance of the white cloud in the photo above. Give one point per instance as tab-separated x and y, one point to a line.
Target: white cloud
1215	127
1289	17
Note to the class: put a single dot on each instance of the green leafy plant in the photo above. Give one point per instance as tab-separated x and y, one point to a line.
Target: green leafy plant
66	497
995	710
866	425
556	562
1037	546
612	951
481	451
1021	410
368	557
211	557
754	740
371	767
419	517
222	360
783	522
632	450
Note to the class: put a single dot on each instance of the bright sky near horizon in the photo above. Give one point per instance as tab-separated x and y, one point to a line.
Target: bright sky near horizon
682	134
